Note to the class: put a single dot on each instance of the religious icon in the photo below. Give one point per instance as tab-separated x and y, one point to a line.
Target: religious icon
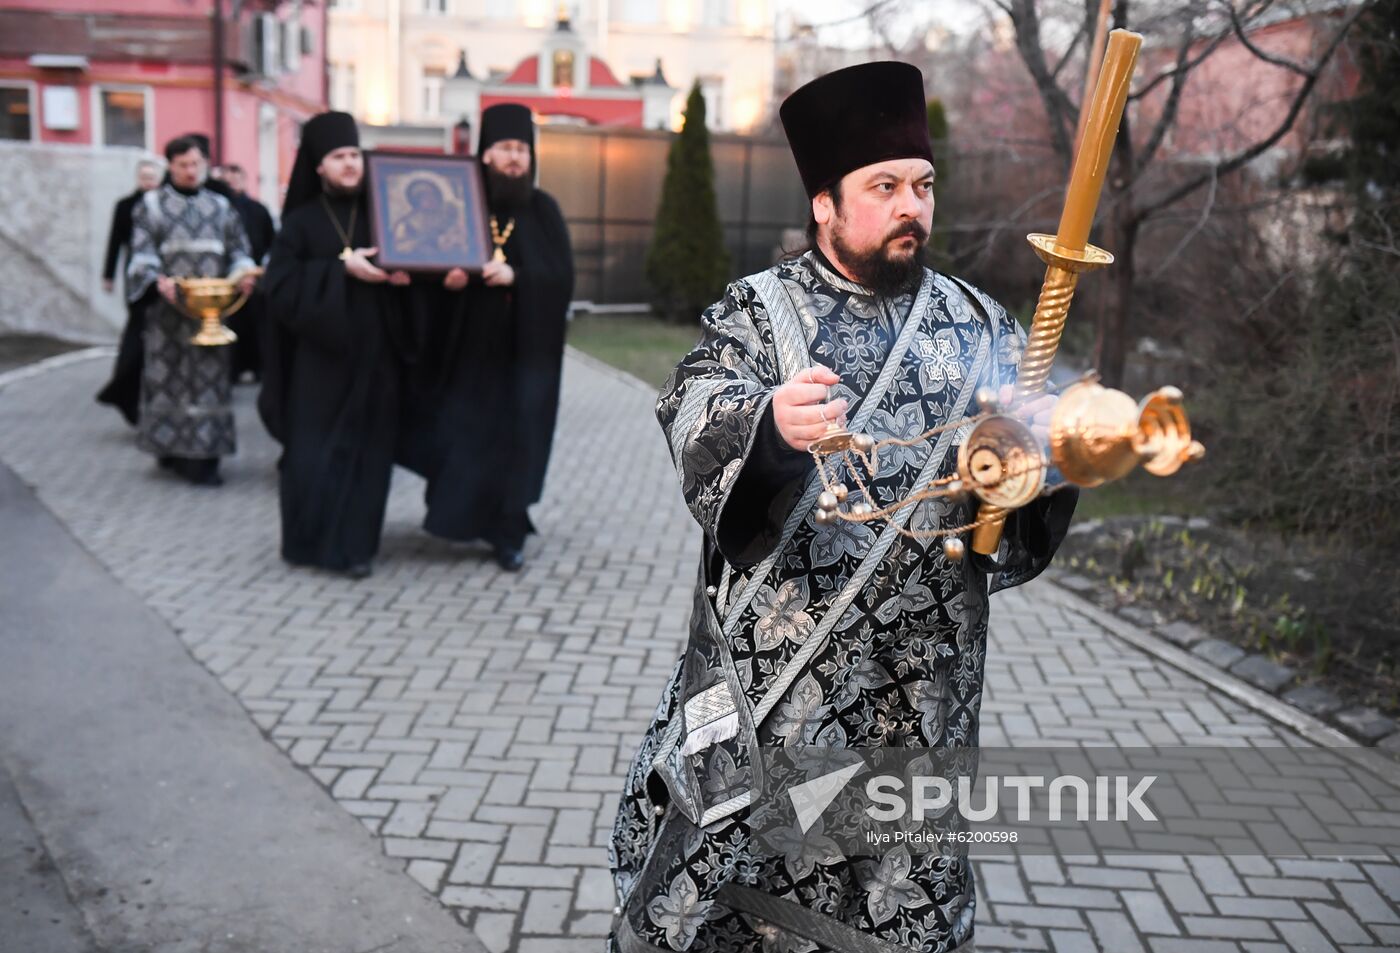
427	213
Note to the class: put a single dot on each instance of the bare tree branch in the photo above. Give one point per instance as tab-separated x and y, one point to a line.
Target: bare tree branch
1191	233
1168	117
1231	163
1243	36
1057	104
1069	52
1182	67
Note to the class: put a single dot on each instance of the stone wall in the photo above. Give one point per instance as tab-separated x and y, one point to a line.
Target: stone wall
55	210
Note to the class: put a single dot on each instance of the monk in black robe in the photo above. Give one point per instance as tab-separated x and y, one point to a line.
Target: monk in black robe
250	321
331	386
123	391
500	388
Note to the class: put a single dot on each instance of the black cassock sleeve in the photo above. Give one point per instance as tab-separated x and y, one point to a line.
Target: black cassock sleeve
306	293
1031	537
763	496
118	237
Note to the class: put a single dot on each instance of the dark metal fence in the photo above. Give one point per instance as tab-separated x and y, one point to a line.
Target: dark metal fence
608	182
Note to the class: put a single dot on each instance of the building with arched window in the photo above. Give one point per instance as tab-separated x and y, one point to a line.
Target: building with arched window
392	60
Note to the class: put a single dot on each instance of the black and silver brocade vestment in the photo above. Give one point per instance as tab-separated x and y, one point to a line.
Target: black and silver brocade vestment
843	636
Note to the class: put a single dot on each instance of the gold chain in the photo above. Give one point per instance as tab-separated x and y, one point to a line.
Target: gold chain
934	490
347	233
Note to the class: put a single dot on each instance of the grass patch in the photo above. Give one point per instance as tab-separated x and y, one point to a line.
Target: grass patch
643	346
1142	494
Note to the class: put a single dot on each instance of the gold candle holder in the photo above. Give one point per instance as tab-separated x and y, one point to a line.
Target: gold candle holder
1068	253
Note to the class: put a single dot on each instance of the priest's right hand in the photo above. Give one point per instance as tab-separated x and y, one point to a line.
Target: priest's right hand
167	288
801	410
455	280
359	267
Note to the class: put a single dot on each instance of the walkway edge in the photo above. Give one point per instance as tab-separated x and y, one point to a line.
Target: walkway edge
15	375
603	367
1310	728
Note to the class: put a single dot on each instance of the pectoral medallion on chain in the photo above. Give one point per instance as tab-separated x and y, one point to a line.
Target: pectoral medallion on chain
499	239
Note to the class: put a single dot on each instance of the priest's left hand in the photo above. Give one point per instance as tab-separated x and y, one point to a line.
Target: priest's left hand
1036	411
455	280
497	274
399	278
247	283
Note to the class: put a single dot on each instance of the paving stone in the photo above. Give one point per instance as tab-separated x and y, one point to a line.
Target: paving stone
1161	945
1365	723
1263	673
1228	928
1313	699
1183	893
1305	938
1114	931
1182	634
1072	941
1139	615
995	937
1218	653
1149	913
1368	905
1082	585
1338	923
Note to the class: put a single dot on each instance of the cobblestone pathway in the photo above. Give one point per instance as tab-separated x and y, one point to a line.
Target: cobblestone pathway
479	722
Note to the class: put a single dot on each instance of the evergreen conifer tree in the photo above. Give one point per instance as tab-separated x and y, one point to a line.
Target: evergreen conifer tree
687	265
937	252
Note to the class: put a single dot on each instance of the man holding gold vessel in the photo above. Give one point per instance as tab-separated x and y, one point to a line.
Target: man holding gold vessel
183	230
809	630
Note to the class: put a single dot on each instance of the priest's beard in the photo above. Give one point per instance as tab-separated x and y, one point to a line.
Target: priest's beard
506	193
883	269
342	192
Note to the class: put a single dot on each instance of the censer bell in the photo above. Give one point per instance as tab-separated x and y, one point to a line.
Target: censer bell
1098	434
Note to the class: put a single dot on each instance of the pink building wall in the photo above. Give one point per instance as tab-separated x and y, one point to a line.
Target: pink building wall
181	97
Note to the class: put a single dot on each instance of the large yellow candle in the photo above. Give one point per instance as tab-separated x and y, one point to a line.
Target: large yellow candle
1096	145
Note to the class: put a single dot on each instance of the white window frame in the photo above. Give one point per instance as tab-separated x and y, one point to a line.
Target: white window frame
343	86
434	81
99	132
269	28
435	8
290	45
32	88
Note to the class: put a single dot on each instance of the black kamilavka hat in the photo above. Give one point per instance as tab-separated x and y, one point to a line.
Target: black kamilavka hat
506	121
323	133
856	117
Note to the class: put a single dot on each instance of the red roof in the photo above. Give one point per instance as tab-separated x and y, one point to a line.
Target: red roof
598	112
526	72
599	74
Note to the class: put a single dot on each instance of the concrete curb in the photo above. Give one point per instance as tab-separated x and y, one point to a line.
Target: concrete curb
603	367
1310	728
54	363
